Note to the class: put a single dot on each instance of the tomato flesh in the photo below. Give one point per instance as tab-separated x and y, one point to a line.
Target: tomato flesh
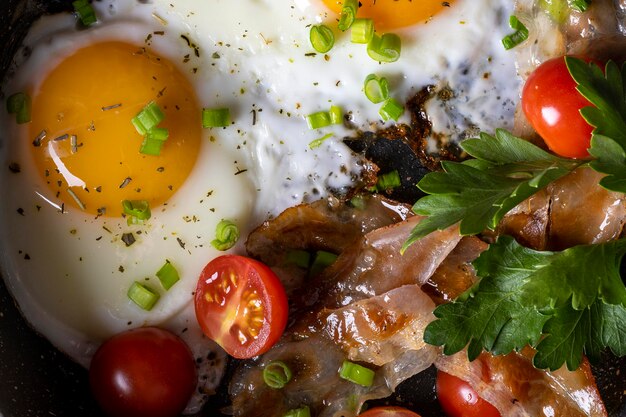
143	372
241	304
389	412
458	399
552	105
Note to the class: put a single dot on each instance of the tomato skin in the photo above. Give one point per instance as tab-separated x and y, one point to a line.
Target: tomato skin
143	372
458	399
241	304
389	411
552	105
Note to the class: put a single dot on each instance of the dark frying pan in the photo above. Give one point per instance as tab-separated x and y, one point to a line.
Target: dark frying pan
36	380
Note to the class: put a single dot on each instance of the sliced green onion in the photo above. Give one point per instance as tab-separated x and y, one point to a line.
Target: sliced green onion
299	258
146	123
158	133
385	48
558	10
318	142
276	374
168	275
298	412
362	31
216	118
153	141
336	115
323	118
148	118
357	374
322	38
579	5
358	202
348	14
136	210
376	88
226	235
321	261
85	12
151	147
388	181
519	36
19	104
391	109
16	102
142	295
318	120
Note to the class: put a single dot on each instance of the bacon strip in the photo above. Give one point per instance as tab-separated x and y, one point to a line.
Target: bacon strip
517	389
370	307
572	211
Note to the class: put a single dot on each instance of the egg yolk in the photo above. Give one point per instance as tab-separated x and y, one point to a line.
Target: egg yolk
393	14
84	143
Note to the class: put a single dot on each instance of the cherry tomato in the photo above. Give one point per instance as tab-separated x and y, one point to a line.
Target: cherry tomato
241	304
458	399
143	372
389	412
552	105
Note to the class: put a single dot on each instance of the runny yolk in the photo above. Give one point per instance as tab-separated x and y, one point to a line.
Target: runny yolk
93	95
393	14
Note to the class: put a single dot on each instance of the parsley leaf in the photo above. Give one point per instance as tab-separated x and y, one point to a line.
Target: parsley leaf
479	192
606	91
575	298
579	5
571	331
610	160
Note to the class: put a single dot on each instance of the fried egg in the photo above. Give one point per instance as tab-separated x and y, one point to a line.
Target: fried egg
455	48
68	253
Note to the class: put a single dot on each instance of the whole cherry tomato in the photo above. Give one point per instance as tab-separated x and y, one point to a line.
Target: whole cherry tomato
458	399
241	304
143	372
552	105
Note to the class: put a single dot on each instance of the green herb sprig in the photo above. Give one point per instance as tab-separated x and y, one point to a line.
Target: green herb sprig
605	90
479	192
563	303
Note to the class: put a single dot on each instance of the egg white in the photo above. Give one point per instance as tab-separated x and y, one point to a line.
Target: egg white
255	59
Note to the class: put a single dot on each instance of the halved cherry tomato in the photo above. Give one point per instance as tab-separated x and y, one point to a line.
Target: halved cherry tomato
145	372
241	304
389	412
458	399
552	105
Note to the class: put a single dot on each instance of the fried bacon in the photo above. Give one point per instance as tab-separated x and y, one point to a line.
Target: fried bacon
574	210
361	333
367	307
378	330
323	225
592	33
517	389
374	265
372	305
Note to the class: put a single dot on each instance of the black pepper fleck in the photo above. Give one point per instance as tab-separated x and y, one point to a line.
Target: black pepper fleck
128	239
